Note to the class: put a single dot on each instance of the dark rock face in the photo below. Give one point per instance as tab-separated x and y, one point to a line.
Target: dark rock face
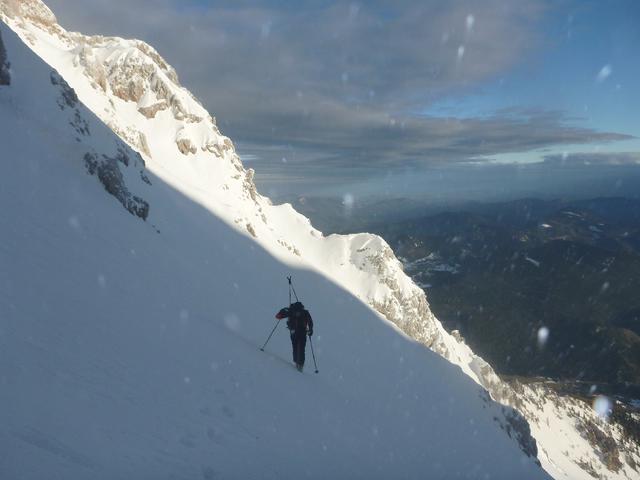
518	427
5	76
603	444
108	172
107	169
68	97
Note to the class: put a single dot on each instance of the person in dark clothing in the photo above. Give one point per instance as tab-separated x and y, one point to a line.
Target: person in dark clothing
300	325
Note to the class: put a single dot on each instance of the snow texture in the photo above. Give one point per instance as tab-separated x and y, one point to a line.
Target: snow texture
129	353
143	335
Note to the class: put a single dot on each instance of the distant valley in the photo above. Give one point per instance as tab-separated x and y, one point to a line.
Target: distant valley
538	288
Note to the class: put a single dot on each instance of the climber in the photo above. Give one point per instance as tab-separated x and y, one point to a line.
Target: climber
300	325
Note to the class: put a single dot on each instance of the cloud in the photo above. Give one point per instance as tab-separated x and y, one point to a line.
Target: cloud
394	54
332	88
594	159
370	139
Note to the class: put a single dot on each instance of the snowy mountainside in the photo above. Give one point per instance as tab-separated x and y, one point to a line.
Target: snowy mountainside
136	93
130	342
184	146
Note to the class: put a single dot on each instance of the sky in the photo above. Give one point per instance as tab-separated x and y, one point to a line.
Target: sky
404	98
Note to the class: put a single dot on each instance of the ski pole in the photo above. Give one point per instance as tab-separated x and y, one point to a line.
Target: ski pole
274	329
313	354
290	289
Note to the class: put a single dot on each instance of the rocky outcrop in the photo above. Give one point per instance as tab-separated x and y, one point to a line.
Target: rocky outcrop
132	137
107	169
249	186
33	11
518	428
404	303
152	110
186	146
600	445
134	72
68	97
5	75
407	307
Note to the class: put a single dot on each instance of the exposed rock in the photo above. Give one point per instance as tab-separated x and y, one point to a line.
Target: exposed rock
143	145
179	112
32	10
68	97
91	162
151	52
603	443
133	137
5	76
517	427
94	68
249	185
79	124
150	111
108	172
409	310
588	467
132	70
611	442
126	80
288	246
186	146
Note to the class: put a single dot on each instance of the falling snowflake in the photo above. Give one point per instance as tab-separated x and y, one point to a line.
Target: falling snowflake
543	336
602	406
232	321
604	73
470	21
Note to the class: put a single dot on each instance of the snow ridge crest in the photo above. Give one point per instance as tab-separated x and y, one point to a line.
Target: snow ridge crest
31	10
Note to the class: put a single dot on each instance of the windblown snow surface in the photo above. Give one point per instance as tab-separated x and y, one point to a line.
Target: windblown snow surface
140	275
131	347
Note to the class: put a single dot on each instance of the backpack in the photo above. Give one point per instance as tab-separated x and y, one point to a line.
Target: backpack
297	317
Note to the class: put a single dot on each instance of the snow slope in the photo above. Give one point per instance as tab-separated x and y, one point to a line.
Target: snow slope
130	342
136	93
120	79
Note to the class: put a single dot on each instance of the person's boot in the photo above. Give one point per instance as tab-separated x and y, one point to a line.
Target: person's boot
299	366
